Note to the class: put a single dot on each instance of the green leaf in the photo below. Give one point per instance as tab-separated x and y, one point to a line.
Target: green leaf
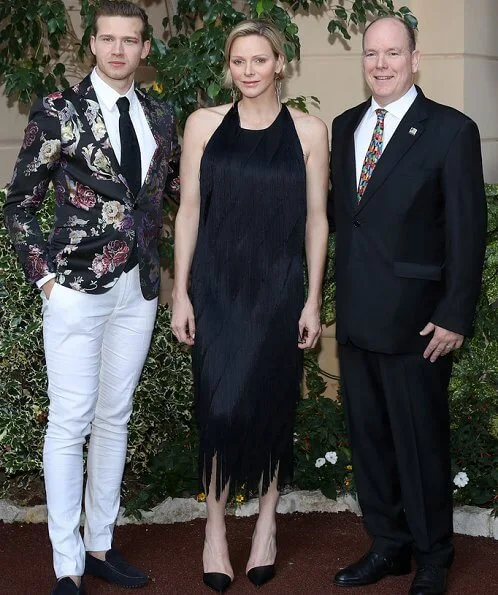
213	90
411	20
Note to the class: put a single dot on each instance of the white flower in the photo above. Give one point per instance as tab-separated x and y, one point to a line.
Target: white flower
320	462
67	133
112	212
49	151
101	162
461	479
76	235
99	129
331	457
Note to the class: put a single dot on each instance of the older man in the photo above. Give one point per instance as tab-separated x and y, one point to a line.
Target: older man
408	207
106	148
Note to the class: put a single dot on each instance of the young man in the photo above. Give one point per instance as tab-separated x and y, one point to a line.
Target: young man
106	148
409	211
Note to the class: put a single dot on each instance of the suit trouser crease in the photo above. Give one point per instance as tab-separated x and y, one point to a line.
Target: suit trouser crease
398	423
95	349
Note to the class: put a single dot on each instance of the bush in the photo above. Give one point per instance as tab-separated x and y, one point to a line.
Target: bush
474	387
162	407
163	440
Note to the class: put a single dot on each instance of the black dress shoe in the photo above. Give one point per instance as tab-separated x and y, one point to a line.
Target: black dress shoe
371	568
66	586
429	580
217	581
259	575
115	570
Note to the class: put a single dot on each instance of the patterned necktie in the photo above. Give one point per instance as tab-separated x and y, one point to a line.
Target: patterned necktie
373	153
130	149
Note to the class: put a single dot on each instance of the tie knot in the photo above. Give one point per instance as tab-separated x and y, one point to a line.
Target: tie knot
381	114
123	104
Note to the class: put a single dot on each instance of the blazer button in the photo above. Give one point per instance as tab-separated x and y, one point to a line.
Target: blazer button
356	223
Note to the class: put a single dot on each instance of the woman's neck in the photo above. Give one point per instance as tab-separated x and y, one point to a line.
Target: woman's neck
258	112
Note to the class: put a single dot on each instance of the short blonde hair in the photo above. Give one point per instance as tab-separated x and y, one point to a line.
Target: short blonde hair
255	27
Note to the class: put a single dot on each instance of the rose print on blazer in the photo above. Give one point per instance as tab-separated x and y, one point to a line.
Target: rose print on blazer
115	253
66	143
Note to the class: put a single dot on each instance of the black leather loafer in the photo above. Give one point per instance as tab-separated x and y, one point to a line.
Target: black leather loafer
429	580
115	570
66	586
371	568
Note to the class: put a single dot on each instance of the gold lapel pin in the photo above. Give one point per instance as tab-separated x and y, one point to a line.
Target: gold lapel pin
412	131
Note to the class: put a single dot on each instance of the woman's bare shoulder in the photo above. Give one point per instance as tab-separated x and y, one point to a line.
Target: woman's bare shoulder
209	116
203	122
306	123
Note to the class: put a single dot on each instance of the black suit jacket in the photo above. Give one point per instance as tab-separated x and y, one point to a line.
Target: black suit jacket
412	251
97	219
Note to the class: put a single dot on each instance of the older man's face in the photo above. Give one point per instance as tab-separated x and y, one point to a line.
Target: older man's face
388	64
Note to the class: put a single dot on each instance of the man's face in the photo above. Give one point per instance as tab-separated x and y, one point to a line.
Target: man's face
388	64
118	49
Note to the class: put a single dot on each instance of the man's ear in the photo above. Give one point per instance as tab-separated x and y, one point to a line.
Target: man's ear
415	60
145	49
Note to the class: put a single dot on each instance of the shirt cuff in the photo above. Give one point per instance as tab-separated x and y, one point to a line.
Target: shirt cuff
41	282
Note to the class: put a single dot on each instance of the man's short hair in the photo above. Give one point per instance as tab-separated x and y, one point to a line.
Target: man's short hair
410	31
121	8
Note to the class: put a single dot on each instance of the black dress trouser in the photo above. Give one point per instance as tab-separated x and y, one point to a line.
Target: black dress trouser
398	423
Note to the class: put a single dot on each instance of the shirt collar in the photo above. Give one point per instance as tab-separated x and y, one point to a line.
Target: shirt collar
399	107
107	95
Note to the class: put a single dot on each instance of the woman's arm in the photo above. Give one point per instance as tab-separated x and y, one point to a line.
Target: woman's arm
315	141
186	226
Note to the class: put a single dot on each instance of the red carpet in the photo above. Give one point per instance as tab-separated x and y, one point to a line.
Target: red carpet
311	548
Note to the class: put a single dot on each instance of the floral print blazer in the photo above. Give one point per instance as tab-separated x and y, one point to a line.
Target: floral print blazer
97	218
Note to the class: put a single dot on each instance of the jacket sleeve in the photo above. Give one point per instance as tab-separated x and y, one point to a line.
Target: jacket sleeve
38	158
465	231
173	178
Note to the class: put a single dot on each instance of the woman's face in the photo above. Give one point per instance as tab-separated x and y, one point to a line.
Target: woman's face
253	65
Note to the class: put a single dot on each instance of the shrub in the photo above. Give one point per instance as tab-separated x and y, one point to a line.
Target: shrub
163	440
162	406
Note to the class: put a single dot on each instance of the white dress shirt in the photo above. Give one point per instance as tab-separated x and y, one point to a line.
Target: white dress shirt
363	133
107	98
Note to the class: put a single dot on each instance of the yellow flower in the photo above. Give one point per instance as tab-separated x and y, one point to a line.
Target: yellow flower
157	87
347	482
239	498
349	467
201	497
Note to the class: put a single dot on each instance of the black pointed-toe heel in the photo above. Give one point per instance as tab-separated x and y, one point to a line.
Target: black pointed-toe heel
259	575
217	581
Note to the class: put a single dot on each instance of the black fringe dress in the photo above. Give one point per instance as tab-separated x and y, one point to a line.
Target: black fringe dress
247	292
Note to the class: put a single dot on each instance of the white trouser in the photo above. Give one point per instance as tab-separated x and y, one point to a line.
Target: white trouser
95	349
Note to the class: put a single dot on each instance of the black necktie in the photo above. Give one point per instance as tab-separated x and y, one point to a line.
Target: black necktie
130	149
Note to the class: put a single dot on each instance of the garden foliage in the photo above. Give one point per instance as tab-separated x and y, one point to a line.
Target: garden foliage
36	39
163	441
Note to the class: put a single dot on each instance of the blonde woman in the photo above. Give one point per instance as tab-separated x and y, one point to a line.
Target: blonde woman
254	185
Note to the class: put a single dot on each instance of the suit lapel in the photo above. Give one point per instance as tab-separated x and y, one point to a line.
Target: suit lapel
350	156
103	162
153	120
409	130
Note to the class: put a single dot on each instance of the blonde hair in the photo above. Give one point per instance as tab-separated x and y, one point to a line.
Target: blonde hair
255	27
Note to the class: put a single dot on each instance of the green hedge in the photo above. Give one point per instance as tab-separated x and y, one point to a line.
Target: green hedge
162	442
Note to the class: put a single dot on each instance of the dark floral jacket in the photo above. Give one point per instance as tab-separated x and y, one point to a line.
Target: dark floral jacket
97	218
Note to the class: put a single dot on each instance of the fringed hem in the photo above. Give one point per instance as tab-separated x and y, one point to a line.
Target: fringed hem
246	477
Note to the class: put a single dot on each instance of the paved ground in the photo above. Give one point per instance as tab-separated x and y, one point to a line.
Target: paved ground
311	548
